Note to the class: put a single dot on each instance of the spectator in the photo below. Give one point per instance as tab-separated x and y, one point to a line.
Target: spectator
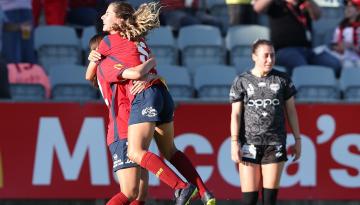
17	36
241	12
179	13
82	12
55	11
345	44
290	31
4	81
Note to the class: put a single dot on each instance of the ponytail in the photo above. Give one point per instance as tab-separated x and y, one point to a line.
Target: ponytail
137	23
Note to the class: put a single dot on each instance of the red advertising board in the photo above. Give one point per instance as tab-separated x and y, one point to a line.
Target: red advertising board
58	150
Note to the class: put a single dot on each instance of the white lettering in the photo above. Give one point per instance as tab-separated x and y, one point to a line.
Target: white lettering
306	173
342	155
227	168
201	146
263	102
51	140
326	124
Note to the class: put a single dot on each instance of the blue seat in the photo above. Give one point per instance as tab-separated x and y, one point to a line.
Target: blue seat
213	82
57	45
178	81
201	45
239	40
322	86
69	84
350	84
162	43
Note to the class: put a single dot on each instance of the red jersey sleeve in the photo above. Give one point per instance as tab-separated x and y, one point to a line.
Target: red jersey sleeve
104	46
111	72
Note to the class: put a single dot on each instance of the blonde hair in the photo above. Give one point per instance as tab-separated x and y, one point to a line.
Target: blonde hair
136	23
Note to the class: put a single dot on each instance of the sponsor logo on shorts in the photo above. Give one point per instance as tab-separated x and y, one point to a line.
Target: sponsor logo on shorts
149	112
120	162
249	151
278	153
117	163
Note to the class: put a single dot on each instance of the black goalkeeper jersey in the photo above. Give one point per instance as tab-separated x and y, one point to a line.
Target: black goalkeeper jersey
263	114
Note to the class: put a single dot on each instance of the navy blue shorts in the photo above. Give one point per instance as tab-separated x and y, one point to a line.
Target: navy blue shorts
154	104
119	155
263	154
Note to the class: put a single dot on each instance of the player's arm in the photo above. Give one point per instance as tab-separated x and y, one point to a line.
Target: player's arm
294	124
139	85
236	109
292	117
93	57
137	72
261	6
90	71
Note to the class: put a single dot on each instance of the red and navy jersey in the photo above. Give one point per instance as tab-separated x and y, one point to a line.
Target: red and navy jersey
116	100
119	54
122	54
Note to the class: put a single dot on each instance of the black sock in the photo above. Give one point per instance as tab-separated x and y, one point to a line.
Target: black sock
250	198
269	196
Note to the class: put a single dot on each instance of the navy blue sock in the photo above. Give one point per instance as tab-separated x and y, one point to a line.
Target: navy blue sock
269	196
250	198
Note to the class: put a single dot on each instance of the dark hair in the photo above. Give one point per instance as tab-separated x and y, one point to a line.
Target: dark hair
95	41
137	23
260	42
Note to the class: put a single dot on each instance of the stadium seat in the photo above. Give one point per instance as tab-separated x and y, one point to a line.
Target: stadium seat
201	45
87	34
213	82
69	84
239	40
243	64
350	84
322	86
57	45
178	81
27	92
162	43
280	68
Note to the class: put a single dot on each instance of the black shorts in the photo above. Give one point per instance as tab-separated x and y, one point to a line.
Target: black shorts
119	155
263	154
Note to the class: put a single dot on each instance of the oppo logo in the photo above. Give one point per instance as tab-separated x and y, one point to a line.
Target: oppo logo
263	102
